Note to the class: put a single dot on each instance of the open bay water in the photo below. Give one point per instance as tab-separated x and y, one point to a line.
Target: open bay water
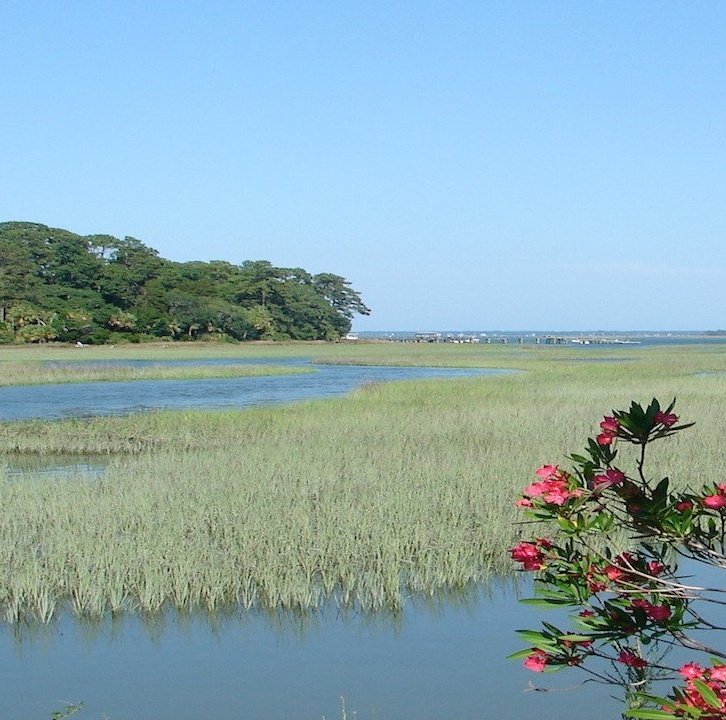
627	338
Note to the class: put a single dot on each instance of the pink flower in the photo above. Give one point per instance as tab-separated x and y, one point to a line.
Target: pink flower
640	603
536	489
659	613
524	551
684	505
612	476
610	424
537	661
586	613
666	419
610	428
547	472
629	658
529	555
557	496
594	584
655	567
691	671
714	502
554	488
614	573
718	673
524	502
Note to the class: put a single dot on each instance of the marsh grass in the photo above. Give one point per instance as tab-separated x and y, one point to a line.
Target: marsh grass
398	490
13	373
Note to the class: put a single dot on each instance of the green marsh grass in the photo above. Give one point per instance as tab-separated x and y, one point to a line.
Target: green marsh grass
87	371
399	489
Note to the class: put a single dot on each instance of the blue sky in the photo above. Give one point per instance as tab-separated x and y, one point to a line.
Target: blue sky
466	165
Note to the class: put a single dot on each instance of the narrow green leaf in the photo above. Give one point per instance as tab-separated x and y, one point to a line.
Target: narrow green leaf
541	602
538	640
552	628
520	654
708	695
581	459
648	714
574	637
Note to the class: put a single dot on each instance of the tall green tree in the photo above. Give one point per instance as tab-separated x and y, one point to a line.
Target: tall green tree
343	299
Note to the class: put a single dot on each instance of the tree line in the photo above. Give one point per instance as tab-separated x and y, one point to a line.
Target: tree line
56	285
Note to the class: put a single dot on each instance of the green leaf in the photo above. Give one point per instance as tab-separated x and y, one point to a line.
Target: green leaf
581	459
661	490
537	639
542	602
566	525
574	637
647	714
708	695
519	654
652	411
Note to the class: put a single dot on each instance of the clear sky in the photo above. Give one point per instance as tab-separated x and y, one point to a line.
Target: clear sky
465	164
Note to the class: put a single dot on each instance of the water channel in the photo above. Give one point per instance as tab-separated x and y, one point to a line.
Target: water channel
108	398
440	659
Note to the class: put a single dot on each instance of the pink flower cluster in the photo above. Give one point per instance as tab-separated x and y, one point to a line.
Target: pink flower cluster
610	428
600	577
657	613
717	501
553	487
612	476
537	661
530	553
666	419
629	658
690	697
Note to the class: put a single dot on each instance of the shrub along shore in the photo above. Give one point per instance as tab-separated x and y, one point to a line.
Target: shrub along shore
398	489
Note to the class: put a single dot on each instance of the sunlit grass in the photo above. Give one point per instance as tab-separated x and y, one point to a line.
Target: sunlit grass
81	372
398	489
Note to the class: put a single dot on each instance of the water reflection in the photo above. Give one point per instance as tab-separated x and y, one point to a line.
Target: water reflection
438	658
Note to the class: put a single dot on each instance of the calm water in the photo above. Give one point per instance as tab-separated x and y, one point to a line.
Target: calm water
443	661
440	663
108	398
